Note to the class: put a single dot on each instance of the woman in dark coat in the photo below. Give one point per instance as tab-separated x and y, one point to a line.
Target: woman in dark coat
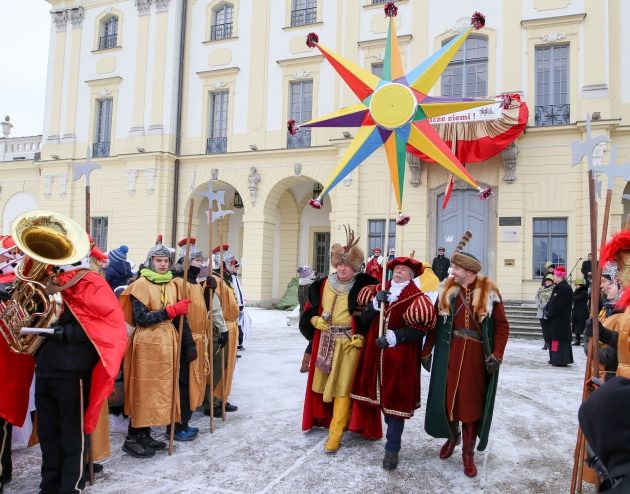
558	312
580	310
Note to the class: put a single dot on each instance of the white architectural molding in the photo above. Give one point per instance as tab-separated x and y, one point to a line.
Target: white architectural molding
253	179
510	160
553	37
60	19
149	176
63	184
415	167
161	5
48	180
132	175
143	6
300	74
76	17
214	174
218	84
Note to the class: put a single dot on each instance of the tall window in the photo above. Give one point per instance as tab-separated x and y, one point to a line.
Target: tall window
303	12
300	110
467	74
109	33
376	235
550	243
222	25
217	141
552	85
377	69
321	263
98	231
103	127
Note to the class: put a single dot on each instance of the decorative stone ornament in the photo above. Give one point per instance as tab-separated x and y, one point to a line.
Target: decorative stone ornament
253	179
510	159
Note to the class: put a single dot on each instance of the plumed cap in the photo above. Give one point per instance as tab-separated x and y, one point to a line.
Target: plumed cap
467	261
350	254
158	250
414	264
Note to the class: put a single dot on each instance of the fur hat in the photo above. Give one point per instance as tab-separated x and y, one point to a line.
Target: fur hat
158	250
560	271
465	259
415	265
119	254
349	254
193	252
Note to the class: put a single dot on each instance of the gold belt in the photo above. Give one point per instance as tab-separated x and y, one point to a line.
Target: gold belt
467	334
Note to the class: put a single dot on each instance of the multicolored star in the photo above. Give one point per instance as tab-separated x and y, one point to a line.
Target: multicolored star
395	111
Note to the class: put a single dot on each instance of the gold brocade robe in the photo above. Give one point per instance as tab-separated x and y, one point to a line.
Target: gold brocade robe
200	328
229	305
149	364
621	324
345	356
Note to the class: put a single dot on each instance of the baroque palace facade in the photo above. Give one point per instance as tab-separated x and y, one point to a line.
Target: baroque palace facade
170	95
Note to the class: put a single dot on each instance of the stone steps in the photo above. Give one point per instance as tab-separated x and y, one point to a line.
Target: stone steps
523	320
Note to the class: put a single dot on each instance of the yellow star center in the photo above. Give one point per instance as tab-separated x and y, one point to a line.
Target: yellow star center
393	105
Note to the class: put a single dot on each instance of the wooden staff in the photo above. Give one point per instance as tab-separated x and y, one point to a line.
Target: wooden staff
180	332
210	316
223	371
381	319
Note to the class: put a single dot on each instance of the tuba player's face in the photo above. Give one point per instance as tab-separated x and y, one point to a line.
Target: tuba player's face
161	264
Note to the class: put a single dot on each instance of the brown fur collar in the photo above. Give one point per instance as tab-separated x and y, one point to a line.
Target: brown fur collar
485	294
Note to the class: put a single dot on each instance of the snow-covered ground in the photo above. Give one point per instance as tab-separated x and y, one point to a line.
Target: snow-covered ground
261	448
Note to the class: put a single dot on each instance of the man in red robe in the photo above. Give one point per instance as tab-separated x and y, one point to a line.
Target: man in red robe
469	343
388	372
374	266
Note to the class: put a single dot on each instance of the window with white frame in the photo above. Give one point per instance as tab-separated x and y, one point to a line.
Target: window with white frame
549	244
217	139
103	127
108	37
552	85
467	74
300	110
303	12
222	22
376	235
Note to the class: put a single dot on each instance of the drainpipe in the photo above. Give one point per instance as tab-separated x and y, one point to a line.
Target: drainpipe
178	121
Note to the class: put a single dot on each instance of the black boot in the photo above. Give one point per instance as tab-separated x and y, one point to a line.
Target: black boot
148	442
577	342
390	460
134	447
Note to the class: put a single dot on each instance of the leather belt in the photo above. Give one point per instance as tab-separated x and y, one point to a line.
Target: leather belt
467	334
341	330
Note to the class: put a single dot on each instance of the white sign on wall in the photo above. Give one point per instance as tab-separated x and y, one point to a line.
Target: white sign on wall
510	235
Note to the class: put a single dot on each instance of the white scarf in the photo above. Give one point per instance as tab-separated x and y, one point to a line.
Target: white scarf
394	292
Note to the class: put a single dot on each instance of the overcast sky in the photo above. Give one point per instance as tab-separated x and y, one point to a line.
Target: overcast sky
25	34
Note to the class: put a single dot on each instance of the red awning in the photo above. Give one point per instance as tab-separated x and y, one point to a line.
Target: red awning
478	134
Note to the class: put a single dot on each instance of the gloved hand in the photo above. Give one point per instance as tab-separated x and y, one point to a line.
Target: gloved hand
492	364
4	294
381	296
588	327
382	342
223	339
357	341
191	354
211	282
426	362
319	323
178	308
58	334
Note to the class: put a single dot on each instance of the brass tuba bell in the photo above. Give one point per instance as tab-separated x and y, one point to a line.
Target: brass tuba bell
46	239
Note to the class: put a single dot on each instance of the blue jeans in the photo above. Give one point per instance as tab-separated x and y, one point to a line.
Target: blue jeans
395	427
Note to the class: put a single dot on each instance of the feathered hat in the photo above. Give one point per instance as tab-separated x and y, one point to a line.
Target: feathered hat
349	254
465	259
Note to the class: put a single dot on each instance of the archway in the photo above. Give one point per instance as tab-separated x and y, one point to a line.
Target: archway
16	205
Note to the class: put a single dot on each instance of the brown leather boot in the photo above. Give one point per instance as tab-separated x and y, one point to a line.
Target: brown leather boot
469	436
449	445
306	360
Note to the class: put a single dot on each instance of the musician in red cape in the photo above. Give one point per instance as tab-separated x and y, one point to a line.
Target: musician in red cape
76	366
388	372
16	370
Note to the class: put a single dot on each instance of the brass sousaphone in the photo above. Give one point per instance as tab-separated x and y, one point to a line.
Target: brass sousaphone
46	239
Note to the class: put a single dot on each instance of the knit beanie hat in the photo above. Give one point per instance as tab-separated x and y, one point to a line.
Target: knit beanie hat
119	254
305	271
560	271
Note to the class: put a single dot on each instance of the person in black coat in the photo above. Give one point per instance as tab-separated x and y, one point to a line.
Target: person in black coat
118	270
440	264
586	270
558	315
579	314
603	418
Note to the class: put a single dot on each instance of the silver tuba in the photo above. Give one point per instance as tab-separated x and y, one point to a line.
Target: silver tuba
46	239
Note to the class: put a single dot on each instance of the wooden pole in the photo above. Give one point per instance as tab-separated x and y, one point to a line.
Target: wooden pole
180	332
210	316
381	317
223	371
87	206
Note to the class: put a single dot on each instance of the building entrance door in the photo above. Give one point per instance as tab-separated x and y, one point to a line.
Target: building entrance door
464	211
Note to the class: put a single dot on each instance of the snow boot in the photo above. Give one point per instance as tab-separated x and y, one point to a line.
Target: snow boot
390	460
469	436
339	422
449	445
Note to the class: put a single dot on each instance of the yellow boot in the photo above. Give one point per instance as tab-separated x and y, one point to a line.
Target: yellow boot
339	422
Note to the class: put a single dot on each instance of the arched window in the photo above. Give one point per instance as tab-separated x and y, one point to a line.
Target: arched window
108	33
222	22
467	74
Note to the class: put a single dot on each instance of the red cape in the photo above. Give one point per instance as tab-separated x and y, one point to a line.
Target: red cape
16	375
96	308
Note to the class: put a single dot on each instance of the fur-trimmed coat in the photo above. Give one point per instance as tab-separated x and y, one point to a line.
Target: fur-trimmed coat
460	388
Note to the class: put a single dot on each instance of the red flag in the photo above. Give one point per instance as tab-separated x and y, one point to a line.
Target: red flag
448	192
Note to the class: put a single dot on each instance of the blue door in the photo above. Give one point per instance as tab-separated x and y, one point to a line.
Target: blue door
464	211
